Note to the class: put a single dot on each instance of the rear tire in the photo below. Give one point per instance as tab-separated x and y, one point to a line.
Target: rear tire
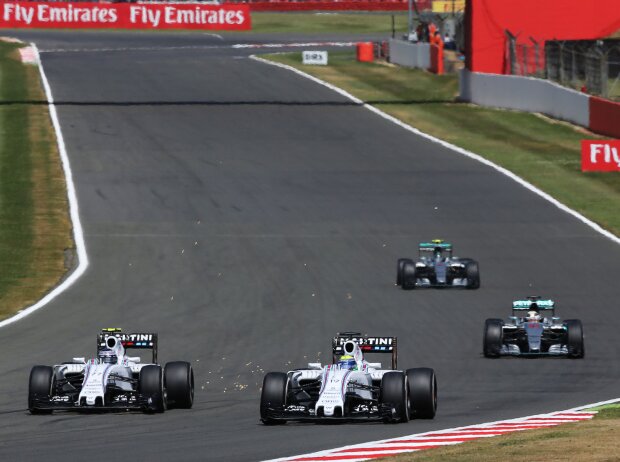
151	386
422	389
399	270
40	386
493	338
408	275
179	384
394	393
574	335
472	273
273	396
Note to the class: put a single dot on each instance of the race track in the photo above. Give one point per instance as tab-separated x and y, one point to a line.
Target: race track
227	210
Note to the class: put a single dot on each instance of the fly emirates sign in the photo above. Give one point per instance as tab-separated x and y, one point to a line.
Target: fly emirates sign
124	16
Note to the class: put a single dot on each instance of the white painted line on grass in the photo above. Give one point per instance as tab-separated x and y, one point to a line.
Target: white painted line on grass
445	144
78	234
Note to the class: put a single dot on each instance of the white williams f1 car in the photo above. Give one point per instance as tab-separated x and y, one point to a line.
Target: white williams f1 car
351	388
112	380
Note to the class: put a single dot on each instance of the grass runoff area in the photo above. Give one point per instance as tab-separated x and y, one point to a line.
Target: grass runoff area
334	22
589	441
545	152
35	230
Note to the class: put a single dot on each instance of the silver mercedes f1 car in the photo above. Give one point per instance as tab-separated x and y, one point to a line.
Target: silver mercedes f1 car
533	330
112	380
437	267
350	388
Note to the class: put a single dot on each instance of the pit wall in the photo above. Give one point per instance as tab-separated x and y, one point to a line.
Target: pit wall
537	95
408	54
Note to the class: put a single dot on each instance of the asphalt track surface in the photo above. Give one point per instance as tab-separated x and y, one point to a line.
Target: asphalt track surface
247	214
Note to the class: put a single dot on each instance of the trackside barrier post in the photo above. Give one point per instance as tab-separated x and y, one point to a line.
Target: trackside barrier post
437	58
365	52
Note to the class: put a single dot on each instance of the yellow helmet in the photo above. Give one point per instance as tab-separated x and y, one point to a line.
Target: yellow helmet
347	362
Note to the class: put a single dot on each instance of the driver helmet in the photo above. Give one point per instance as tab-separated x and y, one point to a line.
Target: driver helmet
533	316
437	252
107	356
348	363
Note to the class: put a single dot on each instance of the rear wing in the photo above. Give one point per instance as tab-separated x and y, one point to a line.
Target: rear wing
138	341
435	243
533	304
367	345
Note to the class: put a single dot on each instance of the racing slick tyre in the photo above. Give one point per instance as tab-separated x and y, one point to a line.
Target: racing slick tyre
493	338
151	387
40	386
394	393
399	270
574	334
408	275
273	396
422	391
179	384
472	273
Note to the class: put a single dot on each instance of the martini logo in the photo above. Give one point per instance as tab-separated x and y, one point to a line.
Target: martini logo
600	156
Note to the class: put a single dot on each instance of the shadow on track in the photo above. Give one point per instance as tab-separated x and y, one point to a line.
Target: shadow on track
225	103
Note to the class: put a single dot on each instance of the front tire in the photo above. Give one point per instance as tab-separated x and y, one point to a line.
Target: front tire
422	390
179	384
40	386
273	396
408	275
574	334
493	338
394	394
472	273
399	270
151	386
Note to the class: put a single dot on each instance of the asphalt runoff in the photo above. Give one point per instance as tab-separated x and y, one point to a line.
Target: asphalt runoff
247	215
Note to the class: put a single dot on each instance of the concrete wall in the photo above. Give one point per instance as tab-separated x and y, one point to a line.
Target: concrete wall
525	94
410	54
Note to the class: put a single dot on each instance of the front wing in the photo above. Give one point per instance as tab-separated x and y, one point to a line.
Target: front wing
383	412
63	403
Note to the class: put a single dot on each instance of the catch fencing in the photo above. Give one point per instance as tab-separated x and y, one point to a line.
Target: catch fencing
590	66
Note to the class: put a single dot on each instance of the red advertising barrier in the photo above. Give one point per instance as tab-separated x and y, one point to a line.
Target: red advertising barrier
123	16
486	22
600	156
604	117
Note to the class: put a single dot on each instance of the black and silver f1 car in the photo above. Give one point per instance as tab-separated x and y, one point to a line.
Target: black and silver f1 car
533	330
350	388
437	267
112	380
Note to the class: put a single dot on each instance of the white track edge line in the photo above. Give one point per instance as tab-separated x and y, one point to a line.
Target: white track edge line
78	233
446	430
445	144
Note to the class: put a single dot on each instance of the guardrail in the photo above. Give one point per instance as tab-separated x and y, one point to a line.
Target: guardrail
331	5
537	95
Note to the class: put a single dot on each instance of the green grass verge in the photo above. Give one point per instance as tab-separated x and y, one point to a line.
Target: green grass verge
542	151
318	23
607	411
34	227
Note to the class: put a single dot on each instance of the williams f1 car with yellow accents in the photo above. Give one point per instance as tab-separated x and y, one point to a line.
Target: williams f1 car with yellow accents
112	381
437	267
533	330
350	388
